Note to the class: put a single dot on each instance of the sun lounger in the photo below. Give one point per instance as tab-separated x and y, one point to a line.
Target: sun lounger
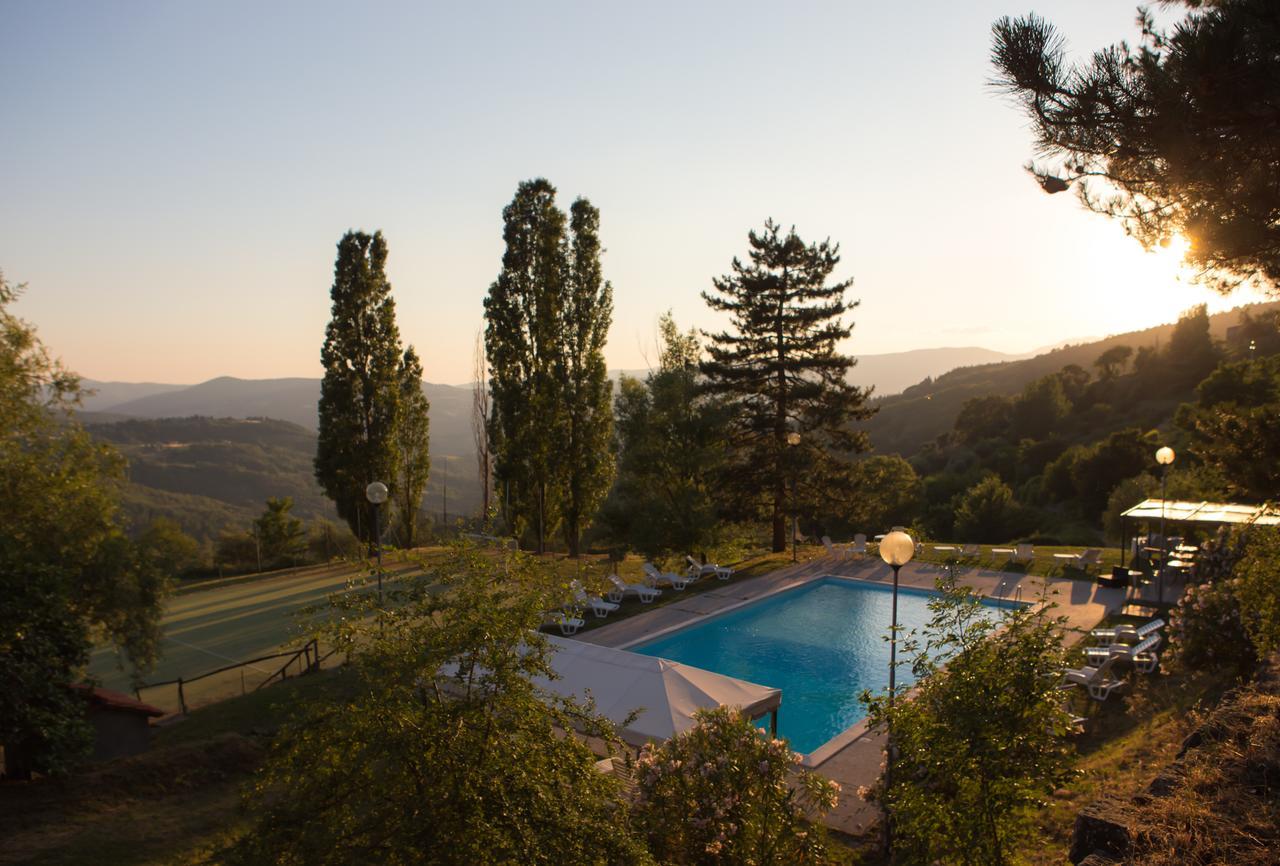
598	605
859	546
568	623
1142	655
970	551
699	569
1024	553
656	578
832	551
1126	633
642	591
1083	561
1097	680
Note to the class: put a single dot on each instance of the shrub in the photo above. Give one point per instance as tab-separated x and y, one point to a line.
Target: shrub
1206	628
724	793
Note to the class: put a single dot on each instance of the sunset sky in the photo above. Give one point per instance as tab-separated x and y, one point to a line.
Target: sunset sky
175	176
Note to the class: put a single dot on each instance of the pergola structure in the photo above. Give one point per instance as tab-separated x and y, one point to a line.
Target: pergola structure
1195	513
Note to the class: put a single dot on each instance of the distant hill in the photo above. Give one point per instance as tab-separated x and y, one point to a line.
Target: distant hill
108	394
929	408
893	372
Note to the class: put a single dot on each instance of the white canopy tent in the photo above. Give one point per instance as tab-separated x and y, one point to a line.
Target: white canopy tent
670	692
1197	513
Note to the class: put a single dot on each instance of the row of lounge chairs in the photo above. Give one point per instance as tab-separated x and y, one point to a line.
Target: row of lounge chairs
1113	646
570	618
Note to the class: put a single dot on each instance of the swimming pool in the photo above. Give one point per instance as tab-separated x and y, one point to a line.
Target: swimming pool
822	644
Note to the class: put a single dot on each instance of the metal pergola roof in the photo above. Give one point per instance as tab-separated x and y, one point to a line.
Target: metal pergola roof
1215	513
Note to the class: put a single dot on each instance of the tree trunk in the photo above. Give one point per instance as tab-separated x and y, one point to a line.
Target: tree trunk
779	521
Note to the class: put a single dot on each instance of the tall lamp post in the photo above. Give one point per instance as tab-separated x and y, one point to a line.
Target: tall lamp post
897	548
1164	457
793	439
376	493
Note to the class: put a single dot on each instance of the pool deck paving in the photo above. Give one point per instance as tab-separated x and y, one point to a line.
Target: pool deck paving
854	758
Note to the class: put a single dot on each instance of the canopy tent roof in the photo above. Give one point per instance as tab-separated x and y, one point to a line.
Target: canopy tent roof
1216	513
669	692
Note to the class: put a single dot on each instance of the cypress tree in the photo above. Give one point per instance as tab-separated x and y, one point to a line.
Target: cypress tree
779	370
524	313
413	457
361	386
586	315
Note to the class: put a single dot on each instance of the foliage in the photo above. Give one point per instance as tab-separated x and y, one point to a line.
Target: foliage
980	418
586	315
523	312
412	447
1041	408
1206	629
1111	362
722	792
779	369
1174	137
328	541
1235	425
1099	469
889	492
481	407
170	550
68	573
671	447
1126	494
361	387
982	737
279	534
1259	590
988	512
447	752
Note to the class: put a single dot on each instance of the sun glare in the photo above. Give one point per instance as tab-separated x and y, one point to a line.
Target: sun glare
1150	287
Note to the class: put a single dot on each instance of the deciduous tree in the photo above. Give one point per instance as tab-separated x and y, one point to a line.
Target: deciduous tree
587	457
412	451
780	371
361	387
524	312
69	576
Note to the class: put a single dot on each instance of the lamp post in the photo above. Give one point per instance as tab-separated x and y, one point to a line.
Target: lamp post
1164	457
376	493
897	548
793	439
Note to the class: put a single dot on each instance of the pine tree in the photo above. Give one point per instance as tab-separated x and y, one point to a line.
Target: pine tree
413	456
524	314
586	315
781	373
361	386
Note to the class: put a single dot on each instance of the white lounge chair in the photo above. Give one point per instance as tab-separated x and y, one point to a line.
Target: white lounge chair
1128	633
1024	553
598	605
569	624
656	578
699	569
1142	655
642	591
1097	680
832	551
1083	561
970	551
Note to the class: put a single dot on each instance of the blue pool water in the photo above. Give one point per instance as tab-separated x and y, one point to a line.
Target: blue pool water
822	644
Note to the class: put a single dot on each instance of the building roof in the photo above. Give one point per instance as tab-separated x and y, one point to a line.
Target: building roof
669	692
1215	513
107	699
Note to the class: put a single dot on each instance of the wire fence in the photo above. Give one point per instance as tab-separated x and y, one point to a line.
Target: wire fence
184	694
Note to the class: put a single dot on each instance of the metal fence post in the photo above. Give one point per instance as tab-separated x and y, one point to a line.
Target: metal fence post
182	699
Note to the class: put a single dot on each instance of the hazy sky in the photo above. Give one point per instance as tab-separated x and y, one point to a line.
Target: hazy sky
174	176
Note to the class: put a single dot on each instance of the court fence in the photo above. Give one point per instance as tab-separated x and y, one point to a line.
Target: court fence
183	694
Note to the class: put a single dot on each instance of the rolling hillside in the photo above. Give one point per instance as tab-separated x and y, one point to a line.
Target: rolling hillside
925	411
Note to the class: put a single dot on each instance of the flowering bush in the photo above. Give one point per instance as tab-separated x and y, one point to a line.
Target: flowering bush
1206	628
724	793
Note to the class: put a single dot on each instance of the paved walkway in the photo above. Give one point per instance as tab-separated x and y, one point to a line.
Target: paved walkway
857	763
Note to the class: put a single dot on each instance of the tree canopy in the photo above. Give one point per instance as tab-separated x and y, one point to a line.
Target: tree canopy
69	575
1180	135
779	370
360	392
